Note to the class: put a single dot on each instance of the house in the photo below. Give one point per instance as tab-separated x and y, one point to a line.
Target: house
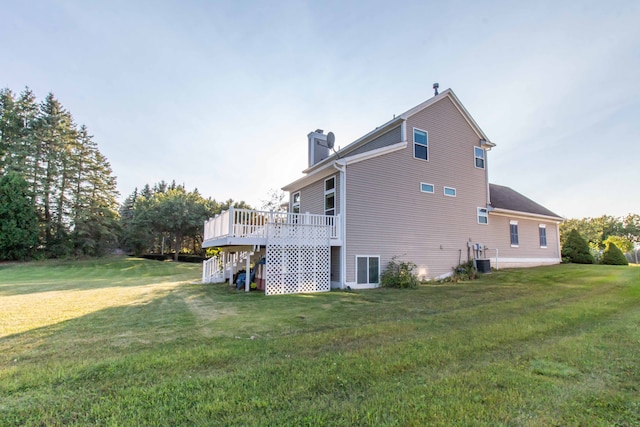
416	187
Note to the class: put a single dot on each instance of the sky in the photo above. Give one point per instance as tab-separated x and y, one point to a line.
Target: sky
220	95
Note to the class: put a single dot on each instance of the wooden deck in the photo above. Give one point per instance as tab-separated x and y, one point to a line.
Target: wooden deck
243	227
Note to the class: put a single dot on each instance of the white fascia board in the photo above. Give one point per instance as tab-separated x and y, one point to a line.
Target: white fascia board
380	130
524	215
371	154
330	168
310	178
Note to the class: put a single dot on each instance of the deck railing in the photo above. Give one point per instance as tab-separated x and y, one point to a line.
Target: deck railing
250	223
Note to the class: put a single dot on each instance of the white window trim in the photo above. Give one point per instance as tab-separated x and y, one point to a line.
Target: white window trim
514	222
413	137
484	157
294	204
356	269
484	215
327	192
444	191
428	192
545	234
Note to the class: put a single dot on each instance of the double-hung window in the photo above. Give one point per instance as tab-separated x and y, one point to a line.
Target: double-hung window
295	202
478	154
483	216
367	270
330	196
542	232
420	144
513	232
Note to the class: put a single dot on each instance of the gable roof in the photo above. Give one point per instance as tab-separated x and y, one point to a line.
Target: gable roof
505	199
448	93
397	121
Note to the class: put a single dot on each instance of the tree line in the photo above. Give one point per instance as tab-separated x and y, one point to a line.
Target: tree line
595	236
57	190
166	218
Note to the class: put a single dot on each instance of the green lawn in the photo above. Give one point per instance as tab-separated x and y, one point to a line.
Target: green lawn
123	341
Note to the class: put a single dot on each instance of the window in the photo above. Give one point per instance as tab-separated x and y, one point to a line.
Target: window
542	230
513	231
483	216
479	157
330	196
367	269
448	191
295	202
420	144
426	188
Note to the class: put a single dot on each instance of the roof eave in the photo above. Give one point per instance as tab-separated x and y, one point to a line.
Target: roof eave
509	212
357	143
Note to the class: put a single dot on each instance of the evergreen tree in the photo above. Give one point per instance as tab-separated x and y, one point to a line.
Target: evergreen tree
8	127
612	255
18	221
576	249
23	147
56	131
73	187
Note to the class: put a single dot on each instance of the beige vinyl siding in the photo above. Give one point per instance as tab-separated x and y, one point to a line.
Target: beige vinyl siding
499	237
388	215
389	138
312	196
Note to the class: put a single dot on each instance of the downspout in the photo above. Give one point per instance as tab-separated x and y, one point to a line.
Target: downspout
486	174
341	166
558	242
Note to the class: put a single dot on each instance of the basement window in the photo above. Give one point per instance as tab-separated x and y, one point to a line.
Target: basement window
367	269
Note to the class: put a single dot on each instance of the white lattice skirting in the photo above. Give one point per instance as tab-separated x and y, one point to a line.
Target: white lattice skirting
298	259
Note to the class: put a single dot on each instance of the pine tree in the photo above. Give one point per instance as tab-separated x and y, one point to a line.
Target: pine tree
576	249
18	221
73	187
8	127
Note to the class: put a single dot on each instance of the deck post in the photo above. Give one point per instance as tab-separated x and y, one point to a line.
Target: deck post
247	275
231	263
231	220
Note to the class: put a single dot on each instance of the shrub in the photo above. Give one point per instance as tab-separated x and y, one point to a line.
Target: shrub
399	274
465	271
190	258
612	255
157	257
576	249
